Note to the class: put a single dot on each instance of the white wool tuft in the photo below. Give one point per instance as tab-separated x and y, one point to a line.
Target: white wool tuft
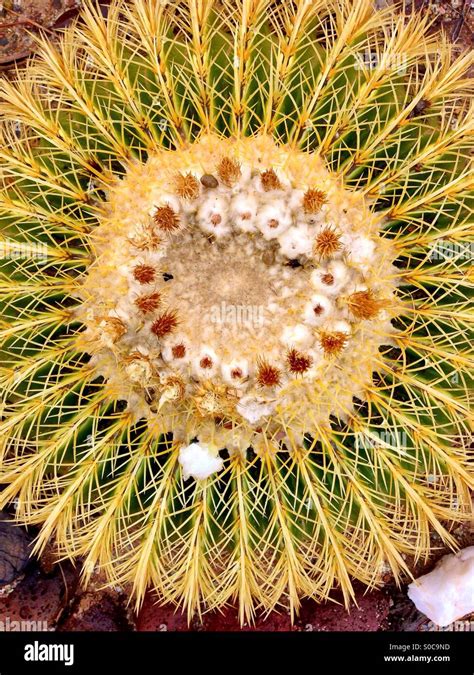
341	327
199	461
447	593
296	241
214	207
208	369
317	309
341	276
297	336
244	212
229	368
168	199
274	219
254	409
362	250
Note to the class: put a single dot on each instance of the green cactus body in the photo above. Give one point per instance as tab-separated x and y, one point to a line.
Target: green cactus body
236	269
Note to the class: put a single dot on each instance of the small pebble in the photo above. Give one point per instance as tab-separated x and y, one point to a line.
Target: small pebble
209	181
268	257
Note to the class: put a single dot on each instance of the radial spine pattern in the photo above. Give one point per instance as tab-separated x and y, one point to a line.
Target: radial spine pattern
236	272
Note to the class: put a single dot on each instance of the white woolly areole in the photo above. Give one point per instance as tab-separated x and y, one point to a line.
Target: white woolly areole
297	241
199	461
298	335
331	278
213	215
318	309
340	327
447	593
236	372
166	199
244	212
362	249
206	363
254	410
273	219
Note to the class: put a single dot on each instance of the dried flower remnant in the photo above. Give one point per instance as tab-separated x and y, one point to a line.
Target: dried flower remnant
229	171
186	186
333	343
144	274
327	242
173	391
267	374
313	201
111	329
298	362
166	219
269	180
214	400
165	324
148	303
145	238
364	304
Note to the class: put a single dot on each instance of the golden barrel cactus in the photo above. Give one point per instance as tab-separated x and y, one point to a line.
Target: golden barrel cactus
235	337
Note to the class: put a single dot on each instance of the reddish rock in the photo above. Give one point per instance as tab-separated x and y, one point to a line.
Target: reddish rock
155	617
97	612
39	598
368	615
99	608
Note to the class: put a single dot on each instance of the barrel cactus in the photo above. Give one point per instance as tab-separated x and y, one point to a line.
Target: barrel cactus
235	285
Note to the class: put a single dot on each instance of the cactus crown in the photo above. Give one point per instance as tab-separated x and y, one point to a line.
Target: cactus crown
223	293
308	164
